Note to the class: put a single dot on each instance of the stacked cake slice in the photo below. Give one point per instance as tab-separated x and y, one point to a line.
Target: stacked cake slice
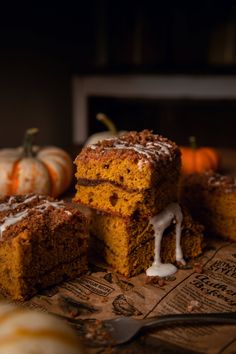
135	174
127	181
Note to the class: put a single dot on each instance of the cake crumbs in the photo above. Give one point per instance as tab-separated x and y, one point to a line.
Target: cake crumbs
98	333
193	305
73	313
170	278
155	281
198	268
183	265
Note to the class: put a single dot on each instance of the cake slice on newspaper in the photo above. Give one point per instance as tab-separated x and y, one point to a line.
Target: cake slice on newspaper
136	173
128	244
131	183
42	242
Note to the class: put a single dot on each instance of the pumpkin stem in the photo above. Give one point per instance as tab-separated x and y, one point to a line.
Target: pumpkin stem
28	142
192	142
107	122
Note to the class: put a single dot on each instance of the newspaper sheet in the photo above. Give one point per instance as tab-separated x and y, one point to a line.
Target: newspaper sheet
208	285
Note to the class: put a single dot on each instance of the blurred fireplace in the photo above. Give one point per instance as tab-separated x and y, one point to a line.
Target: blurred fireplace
176	107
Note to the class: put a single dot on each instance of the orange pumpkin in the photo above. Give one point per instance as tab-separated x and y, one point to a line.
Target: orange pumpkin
31	169
198	160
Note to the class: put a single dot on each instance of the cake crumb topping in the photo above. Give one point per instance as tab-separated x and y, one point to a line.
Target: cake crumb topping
148	147
11	220
226	183
15	209
213	181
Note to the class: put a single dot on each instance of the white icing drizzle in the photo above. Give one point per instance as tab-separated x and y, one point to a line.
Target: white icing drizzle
68	212
12	219
141	163
172	213
46	204
4	207
32	197
218	180
164	146
152	150
11	199
11	204
149	150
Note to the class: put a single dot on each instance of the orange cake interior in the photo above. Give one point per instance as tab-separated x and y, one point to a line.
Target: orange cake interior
134	173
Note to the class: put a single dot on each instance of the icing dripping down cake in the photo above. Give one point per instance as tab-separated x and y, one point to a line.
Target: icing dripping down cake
42	242
130	182
128	245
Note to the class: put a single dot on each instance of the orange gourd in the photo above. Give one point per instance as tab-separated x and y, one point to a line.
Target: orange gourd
198	160
31	169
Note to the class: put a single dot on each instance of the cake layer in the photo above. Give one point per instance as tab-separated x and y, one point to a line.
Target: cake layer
38	237
212	200
136	161
142	256
22	288
130	265
122	235
114	199
128	244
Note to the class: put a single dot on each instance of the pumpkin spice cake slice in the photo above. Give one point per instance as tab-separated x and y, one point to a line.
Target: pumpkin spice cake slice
136	173
42	242
211	198
128	244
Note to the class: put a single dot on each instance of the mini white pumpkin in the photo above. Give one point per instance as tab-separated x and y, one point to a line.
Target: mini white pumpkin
31	169
24	331
110	133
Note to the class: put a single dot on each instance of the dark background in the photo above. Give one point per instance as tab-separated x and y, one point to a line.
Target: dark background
42	47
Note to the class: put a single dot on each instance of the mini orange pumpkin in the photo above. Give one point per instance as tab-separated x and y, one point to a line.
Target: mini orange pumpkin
198	160
31	169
